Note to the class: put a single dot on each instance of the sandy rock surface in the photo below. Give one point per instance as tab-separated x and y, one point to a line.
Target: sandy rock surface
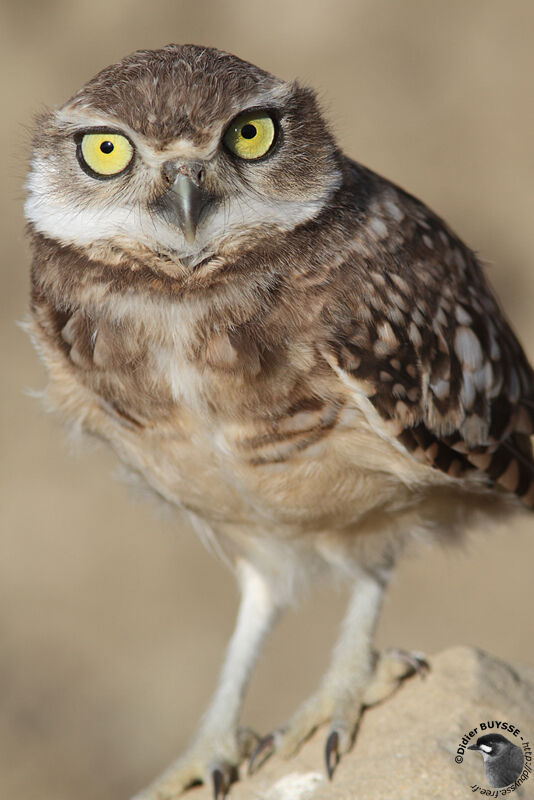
406	748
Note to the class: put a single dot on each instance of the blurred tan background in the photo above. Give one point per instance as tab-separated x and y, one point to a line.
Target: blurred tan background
113	620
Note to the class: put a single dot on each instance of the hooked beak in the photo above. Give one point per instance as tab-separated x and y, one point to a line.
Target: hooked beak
185	200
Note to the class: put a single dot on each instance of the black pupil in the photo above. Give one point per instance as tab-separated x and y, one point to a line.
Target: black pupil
107	147
248	131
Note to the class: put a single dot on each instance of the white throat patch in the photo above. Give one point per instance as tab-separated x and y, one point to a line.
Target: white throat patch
62	218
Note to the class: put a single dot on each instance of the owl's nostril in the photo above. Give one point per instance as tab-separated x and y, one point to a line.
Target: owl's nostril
192	170
169	171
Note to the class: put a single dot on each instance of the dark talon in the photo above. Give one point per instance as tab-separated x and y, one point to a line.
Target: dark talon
219	784
423	667
247	741
264	750
332	753
417	661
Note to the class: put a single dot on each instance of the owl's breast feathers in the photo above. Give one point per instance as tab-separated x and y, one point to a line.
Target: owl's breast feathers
374	305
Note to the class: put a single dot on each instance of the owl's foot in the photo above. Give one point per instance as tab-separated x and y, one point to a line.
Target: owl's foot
212	761
392	668
343	707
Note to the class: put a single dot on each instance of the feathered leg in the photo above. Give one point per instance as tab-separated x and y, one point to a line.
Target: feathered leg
356	678
218	747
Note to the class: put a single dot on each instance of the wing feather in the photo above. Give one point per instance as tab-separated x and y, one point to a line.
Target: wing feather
419	329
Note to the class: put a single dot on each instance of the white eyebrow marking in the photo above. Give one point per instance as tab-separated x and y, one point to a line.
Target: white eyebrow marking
179	148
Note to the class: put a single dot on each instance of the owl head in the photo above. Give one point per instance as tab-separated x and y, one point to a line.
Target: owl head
186	151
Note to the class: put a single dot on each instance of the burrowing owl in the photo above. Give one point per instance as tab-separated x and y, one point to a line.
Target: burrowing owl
289	348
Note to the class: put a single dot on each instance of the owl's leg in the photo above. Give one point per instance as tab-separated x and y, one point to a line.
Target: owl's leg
355	679
218	746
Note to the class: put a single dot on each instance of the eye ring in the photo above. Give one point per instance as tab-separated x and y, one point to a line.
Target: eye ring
104	153
252	135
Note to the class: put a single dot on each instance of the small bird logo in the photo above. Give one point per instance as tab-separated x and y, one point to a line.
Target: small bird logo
503	761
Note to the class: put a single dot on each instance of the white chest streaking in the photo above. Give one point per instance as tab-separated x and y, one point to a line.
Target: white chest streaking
184	408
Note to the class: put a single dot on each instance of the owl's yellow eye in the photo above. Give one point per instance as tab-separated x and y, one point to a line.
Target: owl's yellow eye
250	135
104	154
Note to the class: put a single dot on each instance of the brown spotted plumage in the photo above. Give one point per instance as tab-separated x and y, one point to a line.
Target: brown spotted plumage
296	353
436	356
